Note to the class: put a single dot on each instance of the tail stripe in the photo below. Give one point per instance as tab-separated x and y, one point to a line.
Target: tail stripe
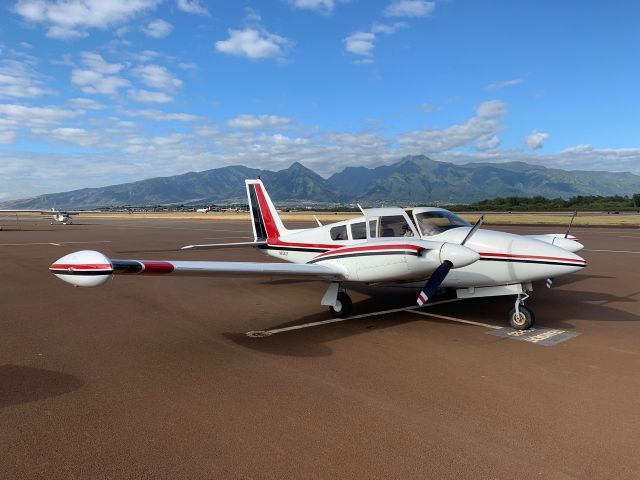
267	217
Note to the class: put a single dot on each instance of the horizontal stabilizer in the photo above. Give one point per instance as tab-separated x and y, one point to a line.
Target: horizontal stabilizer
212	246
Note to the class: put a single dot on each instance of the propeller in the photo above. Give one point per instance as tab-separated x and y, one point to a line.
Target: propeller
575	213
440	273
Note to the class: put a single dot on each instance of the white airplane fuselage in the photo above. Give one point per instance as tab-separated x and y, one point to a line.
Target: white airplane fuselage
505	258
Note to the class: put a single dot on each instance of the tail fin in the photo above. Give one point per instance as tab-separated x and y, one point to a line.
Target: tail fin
266	222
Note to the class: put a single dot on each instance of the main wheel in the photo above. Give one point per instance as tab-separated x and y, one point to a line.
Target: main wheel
343	307
522	321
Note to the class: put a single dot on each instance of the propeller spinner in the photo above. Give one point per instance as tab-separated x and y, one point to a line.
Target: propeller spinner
450	259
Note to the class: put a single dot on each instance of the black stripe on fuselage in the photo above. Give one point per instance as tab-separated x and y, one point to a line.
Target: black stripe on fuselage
365	254
88	273
541	262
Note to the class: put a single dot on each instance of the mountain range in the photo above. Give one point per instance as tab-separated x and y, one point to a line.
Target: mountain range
412	180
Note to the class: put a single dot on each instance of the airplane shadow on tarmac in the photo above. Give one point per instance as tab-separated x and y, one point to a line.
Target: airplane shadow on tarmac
20	384
553	309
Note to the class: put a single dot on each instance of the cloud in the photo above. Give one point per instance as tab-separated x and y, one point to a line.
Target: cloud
95	62
78	136
68	19
146	96
536	139
93	82
362	43
86	103
504	84
320	6
409	8
98	76
491	109
255	44
192	6
160	116
258	121
19	79
157	28
157	76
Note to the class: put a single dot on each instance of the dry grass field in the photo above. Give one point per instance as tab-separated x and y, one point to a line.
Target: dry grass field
585	219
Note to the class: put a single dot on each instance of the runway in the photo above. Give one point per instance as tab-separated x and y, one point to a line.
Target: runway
157	378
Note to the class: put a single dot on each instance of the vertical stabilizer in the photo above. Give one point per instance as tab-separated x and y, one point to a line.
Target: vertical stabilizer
266	222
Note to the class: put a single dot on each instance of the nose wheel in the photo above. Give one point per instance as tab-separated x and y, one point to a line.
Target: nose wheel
521	317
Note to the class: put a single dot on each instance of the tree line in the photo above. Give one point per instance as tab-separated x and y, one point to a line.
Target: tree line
613	203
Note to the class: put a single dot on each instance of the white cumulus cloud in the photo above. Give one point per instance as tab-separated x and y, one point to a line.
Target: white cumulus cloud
409	8
147	96
192	6
536	140
258	121
321	6
157	76
254	44
67	19
157	28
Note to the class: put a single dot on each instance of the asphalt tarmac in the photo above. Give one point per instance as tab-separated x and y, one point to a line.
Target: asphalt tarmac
155	377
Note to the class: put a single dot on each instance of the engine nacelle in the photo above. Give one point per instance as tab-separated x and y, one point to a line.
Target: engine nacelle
395	260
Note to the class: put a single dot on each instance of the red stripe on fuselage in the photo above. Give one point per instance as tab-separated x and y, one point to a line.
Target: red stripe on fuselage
371	248
157	268
531	257
75	266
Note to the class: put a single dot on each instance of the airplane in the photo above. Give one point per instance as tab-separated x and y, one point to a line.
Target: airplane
426	246
208	209
59	216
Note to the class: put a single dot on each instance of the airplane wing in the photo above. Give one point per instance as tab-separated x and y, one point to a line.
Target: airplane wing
213	246
89	268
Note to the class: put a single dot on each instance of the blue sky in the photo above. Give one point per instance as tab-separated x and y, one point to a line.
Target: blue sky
97	92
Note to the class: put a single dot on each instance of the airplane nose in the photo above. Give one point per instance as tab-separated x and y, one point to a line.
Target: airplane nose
459	255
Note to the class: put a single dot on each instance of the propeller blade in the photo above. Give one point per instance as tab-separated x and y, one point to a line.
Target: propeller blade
473	230
434	282
575	213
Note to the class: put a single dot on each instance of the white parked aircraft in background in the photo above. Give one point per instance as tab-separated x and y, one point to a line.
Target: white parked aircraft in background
59	216
384	245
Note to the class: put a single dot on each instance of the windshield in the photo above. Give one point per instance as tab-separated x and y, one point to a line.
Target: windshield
438	221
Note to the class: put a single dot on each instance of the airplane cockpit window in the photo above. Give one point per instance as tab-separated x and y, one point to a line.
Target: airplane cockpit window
438	221
394	226
359	231
339	233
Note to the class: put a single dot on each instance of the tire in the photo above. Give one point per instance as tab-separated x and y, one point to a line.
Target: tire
343	307
524	322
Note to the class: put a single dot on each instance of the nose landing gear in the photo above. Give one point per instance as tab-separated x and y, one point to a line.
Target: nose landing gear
521	317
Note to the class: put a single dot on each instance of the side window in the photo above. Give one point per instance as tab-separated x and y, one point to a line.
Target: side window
373	228
339	233
358	230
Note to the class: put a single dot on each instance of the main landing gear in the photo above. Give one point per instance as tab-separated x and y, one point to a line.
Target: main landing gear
521	317
339	302
343	306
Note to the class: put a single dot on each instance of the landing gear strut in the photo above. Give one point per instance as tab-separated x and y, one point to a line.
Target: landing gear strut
521	317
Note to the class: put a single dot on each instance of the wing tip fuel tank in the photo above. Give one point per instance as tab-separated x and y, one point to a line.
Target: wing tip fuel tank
86	268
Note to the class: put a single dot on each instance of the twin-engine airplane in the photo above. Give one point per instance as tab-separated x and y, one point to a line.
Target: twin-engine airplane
58	216
384	245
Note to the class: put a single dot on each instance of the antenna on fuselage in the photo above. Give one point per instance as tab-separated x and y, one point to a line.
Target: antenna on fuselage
318	221
360	207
